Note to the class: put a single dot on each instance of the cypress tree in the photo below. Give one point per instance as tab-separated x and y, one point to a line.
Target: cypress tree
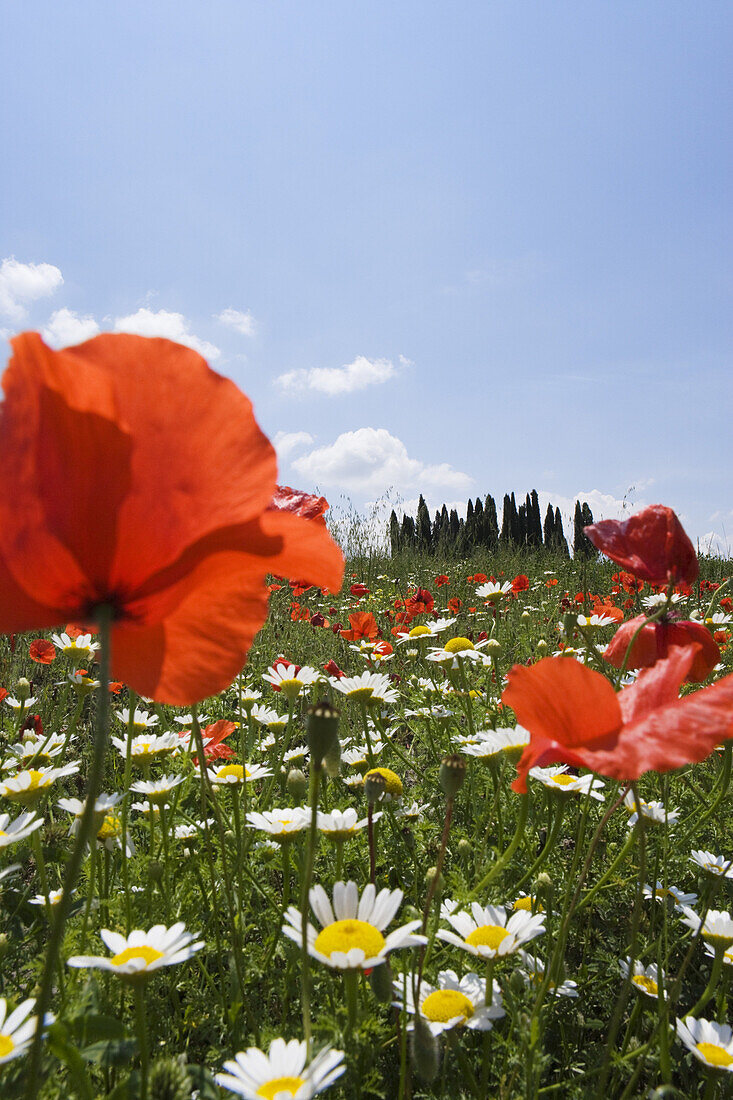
561	541
522	539
394	533
491	524
517	529
423	530
587	515
407	534
506	520
549	530
478	523
536	519
454	528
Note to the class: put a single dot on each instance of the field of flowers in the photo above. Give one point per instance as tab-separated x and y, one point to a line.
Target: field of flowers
457	829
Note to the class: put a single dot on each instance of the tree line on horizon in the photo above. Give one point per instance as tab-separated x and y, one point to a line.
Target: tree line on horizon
521	527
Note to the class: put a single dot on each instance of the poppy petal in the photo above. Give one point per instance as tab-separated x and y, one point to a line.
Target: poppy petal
652	544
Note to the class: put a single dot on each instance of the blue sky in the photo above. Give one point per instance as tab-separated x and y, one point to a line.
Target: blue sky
449	248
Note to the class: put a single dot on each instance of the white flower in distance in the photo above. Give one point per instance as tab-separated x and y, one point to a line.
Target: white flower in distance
351	931
141	719
457	650
486	932
29	786
79	649
18	1029
158	791
493	591
717	928
103	805
281	824
236	775
654	813
661	893
339	825
141	953
558	780
147	748
712	1044
363	688
291	680
13	831
425	630
282	1073
34	751
490	743
453	1002
714	865
645	979
533	972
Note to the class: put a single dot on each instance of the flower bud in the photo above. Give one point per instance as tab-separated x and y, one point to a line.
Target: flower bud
424	1050
23	688
169	1080
541	647
410	913
156	870
452	774
322	729
380	980
465	848
297	784
332	759
432	876
374	787
517	983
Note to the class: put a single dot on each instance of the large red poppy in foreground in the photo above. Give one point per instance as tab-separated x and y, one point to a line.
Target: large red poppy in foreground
575	717
132	475
652	545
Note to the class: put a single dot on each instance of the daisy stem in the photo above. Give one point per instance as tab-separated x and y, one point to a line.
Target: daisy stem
90	896
351	985
488	997
469	1077
83	838
339	860
315	780
142	1038
607	874
132	703
504	859
710	988
548	847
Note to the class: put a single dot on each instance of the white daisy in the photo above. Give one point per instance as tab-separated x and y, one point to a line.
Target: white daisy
533	972
717	928
281	824
30	785
142	719
141	953
20	704
341	824
34	751
146	748
492	591
367	686
457	650
13	831
80	648
425	630
18	1029
291	680
160	790
103	804
268	717
282	1073
510	742
453	1002
711	1043
558	780
236	775
351	931
486	932
714	865
645	979
653	812
53	898
661	893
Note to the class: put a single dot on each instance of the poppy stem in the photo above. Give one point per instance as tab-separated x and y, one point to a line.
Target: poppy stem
315	780
83	837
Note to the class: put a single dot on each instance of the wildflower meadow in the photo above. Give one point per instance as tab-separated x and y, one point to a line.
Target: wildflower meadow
277	822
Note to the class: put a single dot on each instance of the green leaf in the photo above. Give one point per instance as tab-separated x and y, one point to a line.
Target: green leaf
110	1052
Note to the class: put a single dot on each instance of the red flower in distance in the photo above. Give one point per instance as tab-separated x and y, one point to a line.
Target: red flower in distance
363	625
652	545
441	579
147	488
654	641
359	590
575	717
42	652
520	583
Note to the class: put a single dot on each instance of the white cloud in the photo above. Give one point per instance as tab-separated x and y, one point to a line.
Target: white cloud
65	328
371	460
715	545
335	381
173	326
287	442
23	283
242	322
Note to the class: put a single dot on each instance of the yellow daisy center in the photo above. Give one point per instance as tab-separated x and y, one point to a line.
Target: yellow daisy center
235	770
718	938
360	693
280	1084
487	935
342	935
3	833
290	688
393	781
419	631
110	827
563	779
528	903
147	954
647	984
36	780
458	645
714	1054
445	1004
7	1046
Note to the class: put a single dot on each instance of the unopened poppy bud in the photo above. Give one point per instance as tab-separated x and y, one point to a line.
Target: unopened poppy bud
425	1054
432	876
409	912
297	784
155	870
230	836
517	983
332	759
169	1080
465	848
452	774
542	646
3	943
322	728
542	884
380	980
374	787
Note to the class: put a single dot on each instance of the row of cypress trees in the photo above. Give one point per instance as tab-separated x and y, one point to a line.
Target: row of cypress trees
521	526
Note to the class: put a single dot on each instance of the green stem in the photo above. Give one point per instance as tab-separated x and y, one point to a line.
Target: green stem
503	860
625	849
315	779
142	1038
84	837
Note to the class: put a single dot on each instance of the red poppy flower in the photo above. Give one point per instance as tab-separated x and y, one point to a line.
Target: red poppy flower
655	640
441	579
383	649
575	717
419	602
42	651
363	625
359	590
333	669
608	610
454	605
520	583
652	545
146	487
